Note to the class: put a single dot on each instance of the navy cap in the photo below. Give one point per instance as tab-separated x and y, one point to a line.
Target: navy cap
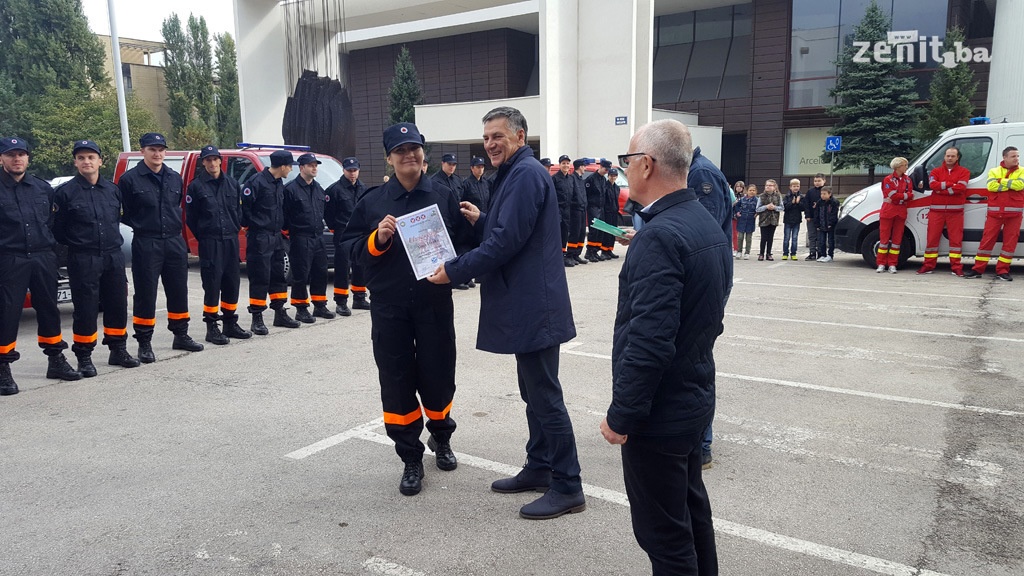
281	158
546	162
606	163
308	158
208	151
12	144
563	158
85	145
350	163
152	139
579	162
449	158
402	133
477	161
613	172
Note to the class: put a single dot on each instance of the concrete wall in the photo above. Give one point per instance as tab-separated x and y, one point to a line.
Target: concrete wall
1005	82
261	69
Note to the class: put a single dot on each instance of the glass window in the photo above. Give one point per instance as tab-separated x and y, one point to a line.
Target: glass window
851	12
810	93
707	65
736	83
241	169
973	155
669	69
815	38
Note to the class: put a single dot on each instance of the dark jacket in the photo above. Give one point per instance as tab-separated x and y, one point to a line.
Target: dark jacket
152	201
595	185
262	203
565	189
451	183
793	204
827	214
811	201
26	211
341	201
712	189
477	192
213	207
579	198
304	208
746	214
611	204
86	218
672	291
524	297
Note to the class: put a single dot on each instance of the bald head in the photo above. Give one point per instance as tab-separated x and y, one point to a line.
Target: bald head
668	151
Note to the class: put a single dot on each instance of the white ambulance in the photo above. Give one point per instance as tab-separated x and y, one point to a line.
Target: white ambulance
981	148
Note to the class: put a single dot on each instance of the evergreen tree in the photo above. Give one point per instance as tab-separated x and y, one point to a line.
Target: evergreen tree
952	90
875	106
13	111
229	112
199	53
176	75
405	91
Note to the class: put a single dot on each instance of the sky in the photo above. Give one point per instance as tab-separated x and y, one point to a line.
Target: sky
142	20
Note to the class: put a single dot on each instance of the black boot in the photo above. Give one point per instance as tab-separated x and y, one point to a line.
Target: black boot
8	387
579	260
213	334
302	315
59	369
443	454
233	330
258	327
320	311
592	256
343	309
146	355
119	356
85	365
359	301
412	479
182	341
283	320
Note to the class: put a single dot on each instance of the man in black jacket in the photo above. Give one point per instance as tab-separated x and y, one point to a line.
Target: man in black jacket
476	189
577	214
810	211
672	293
597	189
304	203
565	187
341	200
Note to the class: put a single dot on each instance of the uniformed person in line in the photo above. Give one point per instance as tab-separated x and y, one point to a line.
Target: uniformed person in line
597	190
213	212
28	263
341	200
446	177
565	187
577	214
304	202
151	195
611	213
86	219
413	320
476	189
263	215
546	162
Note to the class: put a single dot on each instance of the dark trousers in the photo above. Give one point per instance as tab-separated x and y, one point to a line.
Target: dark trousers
812	238
827	243
767	239
669	505
414	348
219	269
563	229
155	260
577	231
595	238
36	273
342	267
264	263
552	445
308	257
98	279
358	281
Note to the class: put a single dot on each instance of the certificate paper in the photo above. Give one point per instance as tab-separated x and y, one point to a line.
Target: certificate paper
426	240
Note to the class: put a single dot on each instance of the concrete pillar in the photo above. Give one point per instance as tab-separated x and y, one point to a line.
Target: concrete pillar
559	38
261	69
1005	82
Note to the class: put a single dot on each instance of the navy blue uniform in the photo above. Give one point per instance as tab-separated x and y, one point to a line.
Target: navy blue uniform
304	220
565	189
213	212
341	201
477	192
596	187
263	214
577	217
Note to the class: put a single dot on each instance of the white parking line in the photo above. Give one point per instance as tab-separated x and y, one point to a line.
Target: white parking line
879	328
334	440
916	295
381	566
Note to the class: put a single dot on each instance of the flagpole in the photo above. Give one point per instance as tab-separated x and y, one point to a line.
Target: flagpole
115	48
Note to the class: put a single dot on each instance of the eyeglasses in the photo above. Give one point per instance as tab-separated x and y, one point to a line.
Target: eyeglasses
624	158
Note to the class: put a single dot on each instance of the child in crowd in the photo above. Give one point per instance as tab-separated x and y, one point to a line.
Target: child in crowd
745	210
827	216
810	205
769	210
739	189
792	216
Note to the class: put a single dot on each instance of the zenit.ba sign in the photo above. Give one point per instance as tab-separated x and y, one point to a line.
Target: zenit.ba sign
907	47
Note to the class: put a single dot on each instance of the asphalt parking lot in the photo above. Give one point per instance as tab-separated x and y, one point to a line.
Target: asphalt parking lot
867	424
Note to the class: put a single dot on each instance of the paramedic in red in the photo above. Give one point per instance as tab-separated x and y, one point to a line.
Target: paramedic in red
949	192
897	191
1005	208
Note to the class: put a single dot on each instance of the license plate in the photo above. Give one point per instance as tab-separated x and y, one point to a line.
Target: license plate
63	295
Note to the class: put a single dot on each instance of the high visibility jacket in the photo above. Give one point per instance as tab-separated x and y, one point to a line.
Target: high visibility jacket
949	188
1007	190
897	191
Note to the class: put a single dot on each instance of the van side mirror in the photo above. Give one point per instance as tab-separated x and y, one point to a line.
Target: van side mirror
920	178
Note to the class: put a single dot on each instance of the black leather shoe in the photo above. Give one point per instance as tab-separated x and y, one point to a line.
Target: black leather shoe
283	320
302	315
471	284
121	357
579	260
8	387
359	302
412	479
185	342
443	454
591	257
258	327
146	355
1005	277
85	366
320	311
568	262
554	504
343	309
612	255
527	479
233	330
58	369
214	335
462	286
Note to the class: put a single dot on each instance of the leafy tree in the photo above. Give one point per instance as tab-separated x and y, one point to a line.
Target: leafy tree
405	92
13	111
195	135
176	75
229	112
875	106
200	65
952	90
46	43
188	75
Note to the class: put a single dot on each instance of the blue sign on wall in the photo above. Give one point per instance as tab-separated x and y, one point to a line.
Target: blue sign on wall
833	143
620	120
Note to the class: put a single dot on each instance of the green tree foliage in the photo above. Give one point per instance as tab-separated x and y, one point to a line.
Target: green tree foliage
64	115
176	75
45	43
199	52
229	112
195	135
13	111
952	90
875	106
188	75
405	92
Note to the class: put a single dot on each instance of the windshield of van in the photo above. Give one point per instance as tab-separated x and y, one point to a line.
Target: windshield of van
974	153
329	173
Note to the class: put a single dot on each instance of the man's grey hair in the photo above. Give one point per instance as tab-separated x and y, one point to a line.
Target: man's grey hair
669	143
515	119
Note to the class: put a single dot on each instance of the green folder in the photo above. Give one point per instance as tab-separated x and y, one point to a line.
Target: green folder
606	227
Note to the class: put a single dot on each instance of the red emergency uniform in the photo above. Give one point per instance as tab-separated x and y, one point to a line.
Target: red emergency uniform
949	192
897	191
1005	208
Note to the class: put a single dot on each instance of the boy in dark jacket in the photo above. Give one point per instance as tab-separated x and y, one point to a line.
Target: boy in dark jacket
826	216
792	216
810	205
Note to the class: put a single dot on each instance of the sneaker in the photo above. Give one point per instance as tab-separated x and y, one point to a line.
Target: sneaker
811	257
1005	277
955	273
923	271
892	269
769	258
825	259
705	460
760	257
746	256
736	254
970	273
880	269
